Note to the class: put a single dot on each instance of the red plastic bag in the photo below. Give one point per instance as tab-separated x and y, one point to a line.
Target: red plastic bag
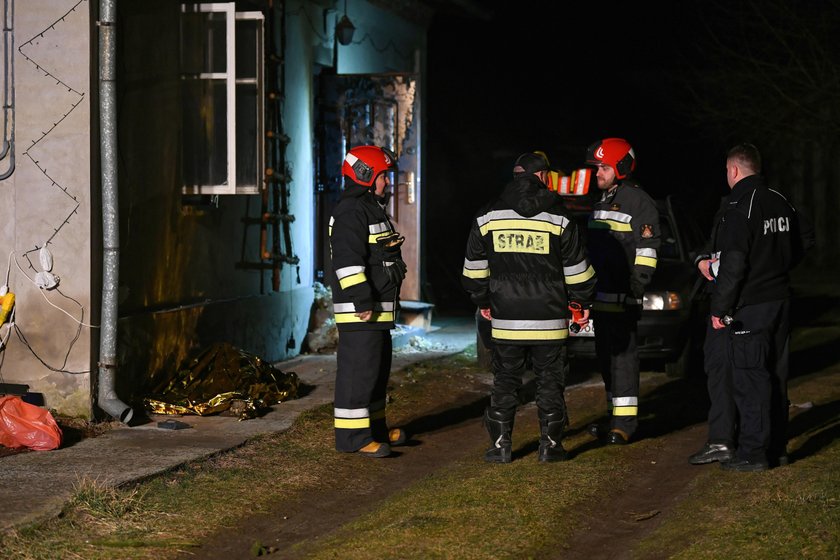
26	425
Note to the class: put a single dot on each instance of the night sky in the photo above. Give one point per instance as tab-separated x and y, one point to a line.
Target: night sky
552	77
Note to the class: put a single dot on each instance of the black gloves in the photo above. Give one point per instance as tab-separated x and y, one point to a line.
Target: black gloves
396	270
637	288
388	251
389	245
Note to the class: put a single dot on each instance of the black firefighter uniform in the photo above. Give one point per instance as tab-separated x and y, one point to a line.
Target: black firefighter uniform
525	258
360	283
623	242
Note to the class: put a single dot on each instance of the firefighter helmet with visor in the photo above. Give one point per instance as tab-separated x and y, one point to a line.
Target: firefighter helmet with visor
613	152
363	164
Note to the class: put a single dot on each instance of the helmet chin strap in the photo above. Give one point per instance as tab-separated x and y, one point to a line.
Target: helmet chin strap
383	200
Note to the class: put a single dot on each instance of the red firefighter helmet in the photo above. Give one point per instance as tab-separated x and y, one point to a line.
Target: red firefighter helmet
614	152
363	164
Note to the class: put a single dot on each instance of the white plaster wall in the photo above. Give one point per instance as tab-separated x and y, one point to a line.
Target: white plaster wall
47	201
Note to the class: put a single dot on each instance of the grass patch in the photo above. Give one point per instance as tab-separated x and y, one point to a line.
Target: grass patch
467	509
473	510
790	512
169	514
103	501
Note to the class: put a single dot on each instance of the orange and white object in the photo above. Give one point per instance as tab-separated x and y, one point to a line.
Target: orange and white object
577	184
554	179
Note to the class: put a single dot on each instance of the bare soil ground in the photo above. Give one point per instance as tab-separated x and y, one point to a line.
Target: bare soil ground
448	429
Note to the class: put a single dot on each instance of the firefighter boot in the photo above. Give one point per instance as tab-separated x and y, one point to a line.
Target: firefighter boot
499	425
551	431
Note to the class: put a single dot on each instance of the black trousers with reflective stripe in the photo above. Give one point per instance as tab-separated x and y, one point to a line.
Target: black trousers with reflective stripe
618	360
550	365
363	367
758	352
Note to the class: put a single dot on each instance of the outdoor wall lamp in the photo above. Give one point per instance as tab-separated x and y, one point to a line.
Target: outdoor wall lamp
344	30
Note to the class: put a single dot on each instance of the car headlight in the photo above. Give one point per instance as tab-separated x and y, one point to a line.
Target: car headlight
661	301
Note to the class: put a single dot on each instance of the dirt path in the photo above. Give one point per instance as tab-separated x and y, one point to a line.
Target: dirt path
640	503
452	431
439	436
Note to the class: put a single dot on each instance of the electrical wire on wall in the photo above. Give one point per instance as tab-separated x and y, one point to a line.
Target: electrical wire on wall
56	82
44	280
390	45
12	324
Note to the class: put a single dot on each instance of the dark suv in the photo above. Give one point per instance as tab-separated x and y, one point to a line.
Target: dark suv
675	307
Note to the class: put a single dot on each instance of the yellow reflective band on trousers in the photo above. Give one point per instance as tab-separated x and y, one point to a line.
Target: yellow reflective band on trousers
507	334
352	423
625	411
625	406
352	418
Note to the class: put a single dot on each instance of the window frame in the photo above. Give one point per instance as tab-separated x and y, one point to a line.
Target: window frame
232	17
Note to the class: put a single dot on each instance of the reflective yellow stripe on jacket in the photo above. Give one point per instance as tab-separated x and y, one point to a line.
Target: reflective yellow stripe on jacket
350	276
612	220
646	257
510	219
383	312
476	269
579	273
375	231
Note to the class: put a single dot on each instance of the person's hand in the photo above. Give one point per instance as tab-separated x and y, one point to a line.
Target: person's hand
637	290
485	312
364	315
717	324
583	321
704	266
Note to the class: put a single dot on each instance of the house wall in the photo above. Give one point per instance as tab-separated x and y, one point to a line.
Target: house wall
382	44
180	286
47	201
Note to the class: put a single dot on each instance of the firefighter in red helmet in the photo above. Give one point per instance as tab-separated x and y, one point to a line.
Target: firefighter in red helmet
623	241
367	273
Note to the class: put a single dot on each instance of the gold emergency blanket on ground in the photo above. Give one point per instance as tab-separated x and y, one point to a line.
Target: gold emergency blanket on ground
222	378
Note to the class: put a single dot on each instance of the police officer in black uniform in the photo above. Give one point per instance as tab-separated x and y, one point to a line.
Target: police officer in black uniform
525	262
367	273
756	243
623	240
